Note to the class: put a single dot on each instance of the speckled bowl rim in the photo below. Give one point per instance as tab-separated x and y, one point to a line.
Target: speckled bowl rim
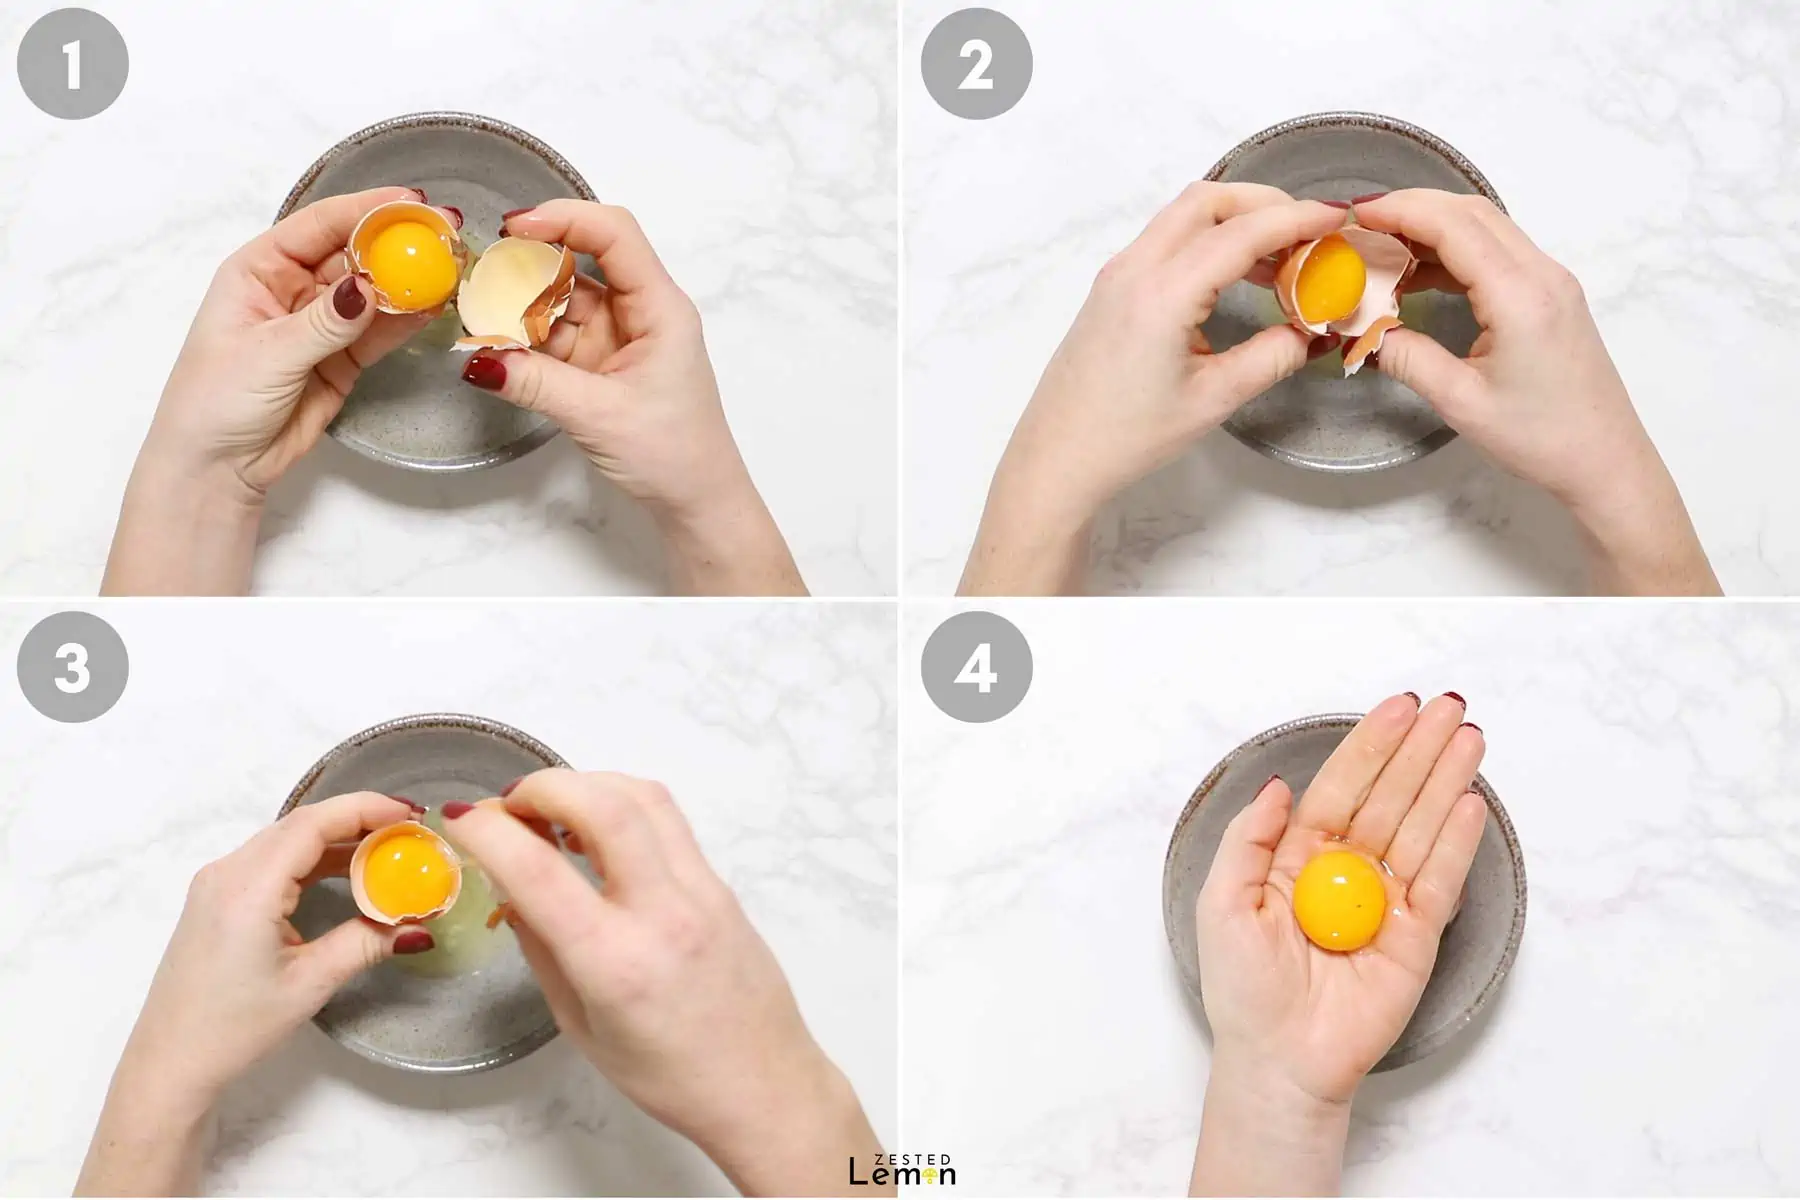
1438	1038
444	119
440	722
1443	436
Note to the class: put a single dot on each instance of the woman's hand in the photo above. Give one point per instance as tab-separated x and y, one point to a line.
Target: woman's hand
277	345
1295	1028
1539	392
662	982
235	981
626	375
1134	384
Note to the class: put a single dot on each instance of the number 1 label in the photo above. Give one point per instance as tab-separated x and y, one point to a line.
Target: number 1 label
72	52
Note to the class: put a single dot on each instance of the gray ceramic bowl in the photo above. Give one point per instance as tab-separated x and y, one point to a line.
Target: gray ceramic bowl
412	408
460	1023
1317	418
1478	947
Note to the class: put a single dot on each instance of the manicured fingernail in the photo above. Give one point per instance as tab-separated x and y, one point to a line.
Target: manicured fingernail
416	807
413	941
572	841
1415	698
1457	698
517	212
455	214
455	809
508	789
1367	198
348	299
420	193
488	372
1471	725
1336	203
1321	346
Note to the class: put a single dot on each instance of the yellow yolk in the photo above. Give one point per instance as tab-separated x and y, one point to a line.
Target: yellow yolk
1331	282
407	875
1339	900
411	265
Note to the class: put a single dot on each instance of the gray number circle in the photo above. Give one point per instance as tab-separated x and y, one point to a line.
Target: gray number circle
72	667
976	667
976	63
73	63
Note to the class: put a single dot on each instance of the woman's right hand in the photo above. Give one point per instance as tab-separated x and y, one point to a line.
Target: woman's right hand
626	375
660	979
1538	391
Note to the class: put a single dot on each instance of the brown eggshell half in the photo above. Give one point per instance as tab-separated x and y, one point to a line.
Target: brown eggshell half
538	316
359	865
392	213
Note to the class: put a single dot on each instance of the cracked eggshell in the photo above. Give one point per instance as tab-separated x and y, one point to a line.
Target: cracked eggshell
1388	263
392	213
515	294
359	864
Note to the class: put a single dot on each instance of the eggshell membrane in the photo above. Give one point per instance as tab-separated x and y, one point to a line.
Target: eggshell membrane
1388	261
359	863
392	213
497	303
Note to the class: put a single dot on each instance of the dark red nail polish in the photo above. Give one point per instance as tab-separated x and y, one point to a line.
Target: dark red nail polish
517	212
1321	346
1471	725
485	371
455	214
1336	203
572	840
348	299
1457	698
420	193
1415	698
412	804
1367	198
413	941
508	789
455	809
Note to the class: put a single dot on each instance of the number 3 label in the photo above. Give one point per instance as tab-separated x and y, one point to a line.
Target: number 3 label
76	657
977	79
979	669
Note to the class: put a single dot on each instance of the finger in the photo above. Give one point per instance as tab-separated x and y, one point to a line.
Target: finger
1450	226
1432	277
387	334
540	383
1240	866
313	234
559	993
1398	785
1247	370
1341	784
1438	886
297	843
611	235
1449	384
1450	777
1228	252
335	320
333	959
538	880
334	863
617	834
1199	207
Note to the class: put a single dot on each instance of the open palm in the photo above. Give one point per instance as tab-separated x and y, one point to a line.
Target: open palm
1397	790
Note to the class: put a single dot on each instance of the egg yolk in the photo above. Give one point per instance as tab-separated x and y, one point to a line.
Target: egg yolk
411	265
1339	900
1331	282
407	875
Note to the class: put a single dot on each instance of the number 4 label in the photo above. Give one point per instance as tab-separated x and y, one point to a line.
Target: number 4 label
979	670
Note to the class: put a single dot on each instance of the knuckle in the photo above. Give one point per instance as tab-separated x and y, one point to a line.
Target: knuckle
1480	205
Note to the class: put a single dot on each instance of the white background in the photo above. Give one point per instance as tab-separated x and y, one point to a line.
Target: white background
1644	1040
1651	147
756	143
772	724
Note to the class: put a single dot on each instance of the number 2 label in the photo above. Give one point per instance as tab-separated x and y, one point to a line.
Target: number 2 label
979	670
977	79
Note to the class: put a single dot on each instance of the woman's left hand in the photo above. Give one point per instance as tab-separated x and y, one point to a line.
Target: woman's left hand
279	341
235	981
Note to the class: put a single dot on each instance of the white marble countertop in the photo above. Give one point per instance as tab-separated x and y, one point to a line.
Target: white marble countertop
772	724
1642	1044
757	146
1647	146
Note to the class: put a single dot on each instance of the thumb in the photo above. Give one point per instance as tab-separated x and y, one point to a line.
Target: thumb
1446	381
337	316
1241	864
330	961
1247	370
537	383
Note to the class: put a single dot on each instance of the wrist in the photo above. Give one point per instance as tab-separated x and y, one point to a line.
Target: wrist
1033	539
186	527
1264	1134
798	1139
1639	537
727	544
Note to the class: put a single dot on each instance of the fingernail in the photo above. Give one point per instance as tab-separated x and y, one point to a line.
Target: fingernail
1457	698
420	193
487	372
455	214
572	841
1415	698
1471	725
1267	782
348	299
1367	198
1344	204
517	212
413	941
455	809
418	808
1319	347
508	789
